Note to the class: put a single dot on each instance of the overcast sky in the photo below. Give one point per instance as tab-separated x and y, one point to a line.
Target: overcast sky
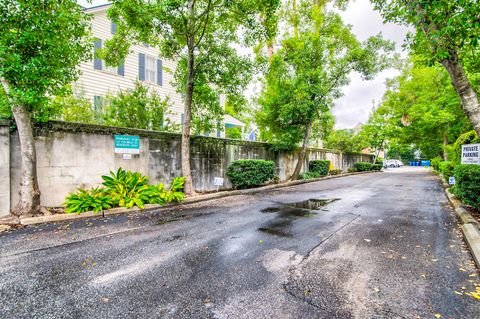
356	103
358	98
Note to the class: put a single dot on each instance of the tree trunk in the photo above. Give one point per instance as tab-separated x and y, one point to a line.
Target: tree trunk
186	171
187	116
445	143
301	157
464	89
29	201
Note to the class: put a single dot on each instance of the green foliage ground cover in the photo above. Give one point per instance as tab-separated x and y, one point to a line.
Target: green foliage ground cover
123	189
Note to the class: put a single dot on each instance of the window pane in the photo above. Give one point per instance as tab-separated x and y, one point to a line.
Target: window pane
150	69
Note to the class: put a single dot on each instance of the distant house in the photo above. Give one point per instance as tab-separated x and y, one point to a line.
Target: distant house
97	80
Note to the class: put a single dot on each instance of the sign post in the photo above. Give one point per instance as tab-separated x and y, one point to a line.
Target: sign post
471	154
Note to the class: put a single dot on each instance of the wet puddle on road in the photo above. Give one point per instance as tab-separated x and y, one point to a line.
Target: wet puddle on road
288	212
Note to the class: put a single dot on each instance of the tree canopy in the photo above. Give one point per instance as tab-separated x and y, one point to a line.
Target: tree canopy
41	44
201	36
306	74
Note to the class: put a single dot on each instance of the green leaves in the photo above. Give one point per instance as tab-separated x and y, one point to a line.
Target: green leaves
41	45
441	27
467	186
95	199
203	34
420	108
250	173
124	189
306	74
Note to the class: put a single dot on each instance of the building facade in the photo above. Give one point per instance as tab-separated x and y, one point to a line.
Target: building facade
97	80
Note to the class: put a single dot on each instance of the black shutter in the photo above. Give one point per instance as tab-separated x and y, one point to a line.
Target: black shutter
97	63
159	72
141	67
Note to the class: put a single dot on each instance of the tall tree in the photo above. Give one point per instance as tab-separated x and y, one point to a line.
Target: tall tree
41	44
445	32
374	134
200	35
344	140
423	109
305	76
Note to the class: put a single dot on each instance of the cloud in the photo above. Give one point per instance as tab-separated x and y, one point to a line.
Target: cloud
356	103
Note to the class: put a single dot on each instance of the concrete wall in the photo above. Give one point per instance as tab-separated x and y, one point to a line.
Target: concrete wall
4	168
71	155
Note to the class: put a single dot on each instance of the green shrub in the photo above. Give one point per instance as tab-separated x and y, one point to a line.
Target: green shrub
379	160
84	200
435	162
250	173
336	171
377	167
467	186
127	188
124	189
157	194
446	168
319	166
309	175
362	166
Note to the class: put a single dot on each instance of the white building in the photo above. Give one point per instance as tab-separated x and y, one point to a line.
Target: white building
97	80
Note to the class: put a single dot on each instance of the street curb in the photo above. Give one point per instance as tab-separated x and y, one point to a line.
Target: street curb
472	237
28	221
469	225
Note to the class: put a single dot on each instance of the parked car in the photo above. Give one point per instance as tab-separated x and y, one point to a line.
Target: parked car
392	163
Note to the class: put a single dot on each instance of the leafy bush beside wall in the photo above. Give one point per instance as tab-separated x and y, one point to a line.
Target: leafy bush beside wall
362	166
250	173
377	167
123	189
319	166
467	186
446	168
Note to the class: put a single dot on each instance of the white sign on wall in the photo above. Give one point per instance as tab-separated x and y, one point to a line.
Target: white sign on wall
218	181
471	154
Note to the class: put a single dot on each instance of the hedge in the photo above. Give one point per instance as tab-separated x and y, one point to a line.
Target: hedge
377	167
446	168
467	184
435	163
362	166
250	173
321	167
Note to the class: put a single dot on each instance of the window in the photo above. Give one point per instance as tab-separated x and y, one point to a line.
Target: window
99	64
110	69
150	68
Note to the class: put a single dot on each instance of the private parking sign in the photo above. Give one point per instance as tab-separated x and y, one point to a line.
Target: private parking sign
471	154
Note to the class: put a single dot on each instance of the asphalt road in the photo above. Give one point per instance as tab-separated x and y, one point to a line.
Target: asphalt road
383	245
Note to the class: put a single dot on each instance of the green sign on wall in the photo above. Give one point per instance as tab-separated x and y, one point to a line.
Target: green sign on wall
127	144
